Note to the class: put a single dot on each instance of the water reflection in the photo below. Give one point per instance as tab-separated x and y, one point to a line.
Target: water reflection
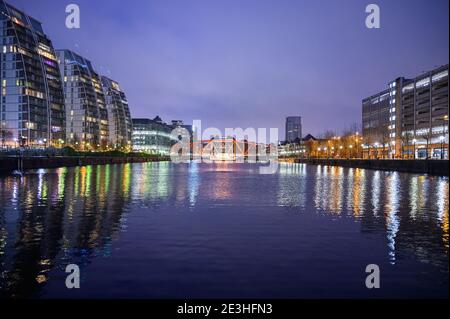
376	192
49	218
52	216
392	209
292	185
415	206
194	183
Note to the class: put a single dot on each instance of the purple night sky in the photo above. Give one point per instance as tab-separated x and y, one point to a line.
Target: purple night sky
251	63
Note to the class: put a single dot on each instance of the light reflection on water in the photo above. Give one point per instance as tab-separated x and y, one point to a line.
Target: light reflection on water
51	218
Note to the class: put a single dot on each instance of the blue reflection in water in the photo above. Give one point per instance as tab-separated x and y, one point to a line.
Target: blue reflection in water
392	207
292	185
194	183
376	192
246	235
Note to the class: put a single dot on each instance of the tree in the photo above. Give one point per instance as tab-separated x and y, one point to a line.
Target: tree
406	141
385	139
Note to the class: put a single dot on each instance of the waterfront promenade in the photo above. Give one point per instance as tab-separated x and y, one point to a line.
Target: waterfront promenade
432	167
9	164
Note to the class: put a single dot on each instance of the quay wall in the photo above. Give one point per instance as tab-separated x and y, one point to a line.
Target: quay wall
432	167
11	163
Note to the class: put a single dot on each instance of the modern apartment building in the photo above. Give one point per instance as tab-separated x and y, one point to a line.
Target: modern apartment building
152	136
409	118
119	118
32	110
293	129
87	126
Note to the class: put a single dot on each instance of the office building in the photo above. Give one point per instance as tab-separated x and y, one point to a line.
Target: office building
409	119
152	136
32	102
293	129
87	126
119	118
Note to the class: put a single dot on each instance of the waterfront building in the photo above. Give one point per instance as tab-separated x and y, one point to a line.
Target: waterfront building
409	119
32	102
119	118
293	128
152	136
87	126
296	149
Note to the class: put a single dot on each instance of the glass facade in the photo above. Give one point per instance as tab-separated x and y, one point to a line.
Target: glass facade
32	102
152	136
377	122
87	125
119	118
293	128
410	119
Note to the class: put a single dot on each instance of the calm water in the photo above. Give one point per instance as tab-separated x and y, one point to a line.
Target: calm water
159	230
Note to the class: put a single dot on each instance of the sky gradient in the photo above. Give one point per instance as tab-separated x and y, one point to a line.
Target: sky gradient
251	63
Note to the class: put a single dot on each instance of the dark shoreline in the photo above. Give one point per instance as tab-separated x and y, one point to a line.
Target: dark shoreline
11	164
431	167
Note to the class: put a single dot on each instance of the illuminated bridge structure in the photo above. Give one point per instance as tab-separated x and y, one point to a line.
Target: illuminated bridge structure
228	150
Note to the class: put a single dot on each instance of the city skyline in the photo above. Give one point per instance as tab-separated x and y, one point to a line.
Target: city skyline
263	66
210	153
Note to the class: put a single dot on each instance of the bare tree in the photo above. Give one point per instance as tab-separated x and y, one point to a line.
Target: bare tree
406	141
327	135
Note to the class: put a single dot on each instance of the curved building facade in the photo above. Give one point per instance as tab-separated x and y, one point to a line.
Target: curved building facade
152	136
119	118
87	126
32	102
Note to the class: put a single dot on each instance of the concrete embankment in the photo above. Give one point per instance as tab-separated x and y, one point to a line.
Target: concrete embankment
9	164
432	167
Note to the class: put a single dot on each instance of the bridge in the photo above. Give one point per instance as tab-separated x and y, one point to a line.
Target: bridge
228	150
